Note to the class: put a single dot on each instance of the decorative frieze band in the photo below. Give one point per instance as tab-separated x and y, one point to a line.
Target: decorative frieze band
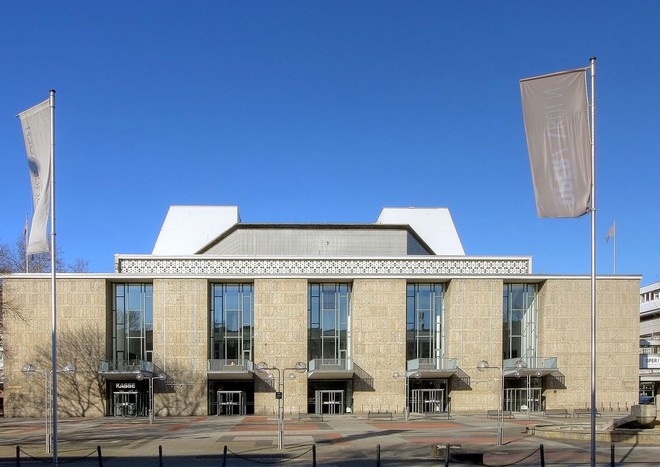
322	267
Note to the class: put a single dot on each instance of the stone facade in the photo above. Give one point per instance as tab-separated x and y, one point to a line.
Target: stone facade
472	328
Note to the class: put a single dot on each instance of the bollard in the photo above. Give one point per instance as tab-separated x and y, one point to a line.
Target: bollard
447	455
224	457
612	455
542	455
314	455
98	453
18	456
160	455
378	455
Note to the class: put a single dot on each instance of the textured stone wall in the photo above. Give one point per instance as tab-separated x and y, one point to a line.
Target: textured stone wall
378	313
565	330
280	316
473	332
181	330
81	328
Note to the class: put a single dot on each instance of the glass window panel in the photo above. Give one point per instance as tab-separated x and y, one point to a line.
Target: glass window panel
329	308
516	347
233	349
329	322
423	316
135	349
232	310
329	348
233	321
424	349
231	298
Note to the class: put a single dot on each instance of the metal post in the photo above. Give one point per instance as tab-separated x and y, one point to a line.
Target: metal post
406	411
300	367
151	403
529	399
500	427
48	413
280	411
151	400
481	366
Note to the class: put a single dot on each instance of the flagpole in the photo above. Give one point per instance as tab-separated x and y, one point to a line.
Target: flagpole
614	246
53	268
26	235
593	262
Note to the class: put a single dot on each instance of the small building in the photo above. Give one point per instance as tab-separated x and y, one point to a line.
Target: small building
649	343
231	318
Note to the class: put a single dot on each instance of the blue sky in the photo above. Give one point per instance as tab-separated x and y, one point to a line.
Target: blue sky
327	111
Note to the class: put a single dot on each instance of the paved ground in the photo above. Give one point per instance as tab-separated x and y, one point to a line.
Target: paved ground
338	441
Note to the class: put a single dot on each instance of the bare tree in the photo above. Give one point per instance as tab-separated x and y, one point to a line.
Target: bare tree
13	260
83	393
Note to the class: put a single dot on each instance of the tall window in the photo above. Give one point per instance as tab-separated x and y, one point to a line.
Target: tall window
424	321
232	333
133	327
520	318
329	313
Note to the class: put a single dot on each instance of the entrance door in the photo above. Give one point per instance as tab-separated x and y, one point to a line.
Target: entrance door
520	400
330	402
428	400
125	404
231	403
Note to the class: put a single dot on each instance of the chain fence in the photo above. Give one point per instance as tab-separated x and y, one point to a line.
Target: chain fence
447	454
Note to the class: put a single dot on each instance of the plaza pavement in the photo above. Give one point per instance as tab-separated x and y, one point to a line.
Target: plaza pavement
339	440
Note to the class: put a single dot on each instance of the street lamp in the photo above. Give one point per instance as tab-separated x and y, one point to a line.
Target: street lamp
29	369
161	377
521	371
299	367
482	366
415	374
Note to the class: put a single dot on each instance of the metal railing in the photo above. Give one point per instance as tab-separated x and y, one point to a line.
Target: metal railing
432	364
330	364
106	366
229	364
531	362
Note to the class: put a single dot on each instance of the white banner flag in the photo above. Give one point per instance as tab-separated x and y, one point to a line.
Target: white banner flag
36	123
556	114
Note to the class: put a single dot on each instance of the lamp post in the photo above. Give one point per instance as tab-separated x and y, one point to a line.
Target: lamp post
521	365
482	366
415	374
161	377
300	367
29	369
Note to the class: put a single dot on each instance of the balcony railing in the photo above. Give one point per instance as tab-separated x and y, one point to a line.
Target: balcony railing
229	365
331	364
432	364
126	366
547	363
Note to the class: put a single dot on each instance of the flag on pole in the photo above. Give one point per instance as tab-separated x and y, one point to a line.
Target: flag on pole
611	233
36	123
556	115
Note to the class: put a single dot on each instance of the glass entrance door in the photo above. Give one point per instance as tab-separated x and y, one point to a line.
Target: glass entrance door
520	400
125	404
231	403
428	400
330	402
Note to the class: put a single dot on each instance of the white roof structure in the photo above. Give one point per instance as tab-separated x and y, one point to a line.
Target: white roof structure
434	225
188	228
